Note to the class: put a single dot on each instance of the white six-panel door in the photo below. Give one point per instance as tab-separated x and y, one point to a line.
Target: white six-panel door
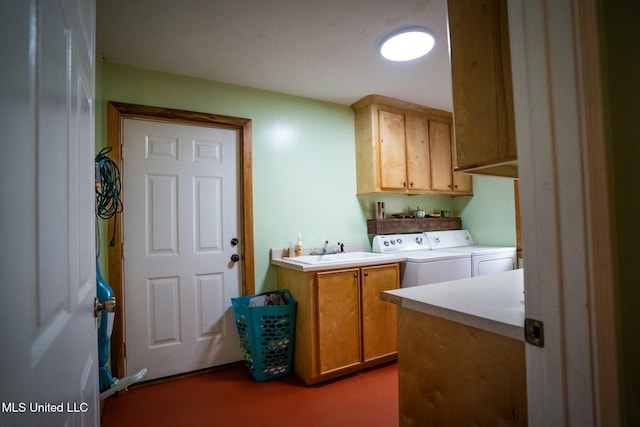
180	217
48	355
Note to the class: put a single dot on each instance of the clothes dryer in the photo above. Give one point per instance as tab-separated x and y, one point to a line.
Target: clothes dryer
422	265
484	259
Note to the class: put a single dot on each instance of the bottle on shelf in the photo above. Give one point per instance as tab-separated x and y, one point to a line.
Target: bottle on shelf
292	247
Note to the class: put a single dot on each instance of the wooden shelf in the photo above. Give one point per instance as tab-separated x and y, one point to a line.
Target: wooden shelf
412	225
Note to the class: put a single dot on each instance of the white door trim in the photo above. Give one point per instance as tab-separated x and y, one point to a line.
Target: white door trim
563	183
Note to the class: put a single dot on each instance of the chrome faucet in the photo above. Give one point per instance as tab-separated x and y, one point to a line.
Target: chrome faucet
326	251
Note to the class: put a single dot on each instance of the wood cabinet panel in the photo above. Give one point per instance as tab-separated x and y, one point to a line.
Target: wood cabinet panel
441	167
482	87
462	183
338	314
451	374
417	152
393	159
379	334
302	288
443	178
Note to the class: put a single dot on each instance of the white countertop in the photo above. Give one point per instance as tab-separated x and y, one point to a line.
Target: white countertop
278	258
493	303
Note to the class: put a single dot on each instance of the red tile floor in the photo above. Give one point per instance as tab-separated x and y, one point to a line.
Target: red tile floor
230	397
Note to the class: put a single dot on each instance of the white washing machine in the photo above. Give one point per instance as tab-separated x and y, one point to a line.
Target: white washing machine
423	266
484	259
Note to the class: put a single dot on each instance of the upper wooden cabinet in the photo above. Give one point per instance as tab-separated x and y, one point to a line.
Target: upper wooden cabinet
404	148
444	180
484	125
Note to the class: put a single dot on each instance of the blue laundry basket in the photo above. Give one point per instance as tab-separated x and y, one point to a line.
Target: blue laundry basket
266	335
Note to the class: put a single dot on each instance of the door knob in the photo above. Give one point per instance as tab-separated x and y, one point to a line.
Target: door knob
234	242
108	306
235	257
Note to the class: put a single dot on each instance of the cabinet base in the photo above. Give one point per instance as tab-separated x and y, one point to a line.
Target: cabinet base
346	371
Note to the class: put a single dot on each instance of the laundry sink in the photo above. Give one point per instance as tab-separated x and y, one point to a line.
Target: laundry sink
340	257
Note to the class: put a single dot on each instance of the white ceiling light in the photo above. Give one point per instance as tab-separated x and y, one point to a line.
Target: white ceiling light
407	44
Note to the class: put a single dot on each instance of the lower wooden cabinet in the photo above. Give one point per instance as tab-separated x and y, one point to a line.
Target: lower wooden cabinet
378	338
342	325
338	320
450	374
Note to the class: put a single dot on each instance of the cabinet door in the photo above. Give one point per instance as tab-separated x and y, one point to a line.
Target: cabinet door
417	143
462	183
482	88
441	167
338	320
393	158
379	330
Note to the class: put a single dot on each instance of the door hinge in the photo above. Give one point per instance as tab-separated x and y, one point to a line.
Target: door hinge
534	332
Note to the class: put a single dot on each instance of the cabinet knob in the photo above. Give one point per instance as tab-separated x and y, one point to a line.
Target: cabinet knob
355	274
411	184
404	184
366	274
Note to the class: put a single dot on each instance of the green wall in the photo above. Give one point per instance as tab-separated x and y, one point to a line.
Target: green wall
490	213
303	163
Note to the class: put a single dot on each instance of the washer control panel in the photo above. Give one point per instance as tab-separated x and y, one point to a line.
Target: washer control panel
448	239
389	243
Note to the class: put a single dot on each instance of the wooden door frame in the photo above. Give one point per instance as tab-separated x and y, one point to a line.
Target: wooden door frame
116	113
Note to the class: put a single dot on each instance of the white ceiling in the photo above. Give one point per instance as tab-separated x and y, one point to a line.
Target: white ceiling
325	50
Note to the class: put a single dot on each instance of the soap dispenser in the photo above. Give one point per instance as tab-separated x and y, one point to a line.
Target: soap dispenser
299	246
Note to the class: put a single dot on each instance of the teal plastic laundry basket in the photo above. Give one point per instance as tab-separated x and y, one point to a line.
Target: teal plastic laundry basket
266	335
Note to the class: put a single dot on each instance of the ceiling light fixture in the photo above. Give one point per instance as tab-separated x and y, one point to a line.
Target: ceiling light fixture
407	44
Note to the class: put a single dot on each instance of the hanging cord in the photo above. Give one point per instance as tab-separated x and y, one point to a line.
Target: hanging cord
108	203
